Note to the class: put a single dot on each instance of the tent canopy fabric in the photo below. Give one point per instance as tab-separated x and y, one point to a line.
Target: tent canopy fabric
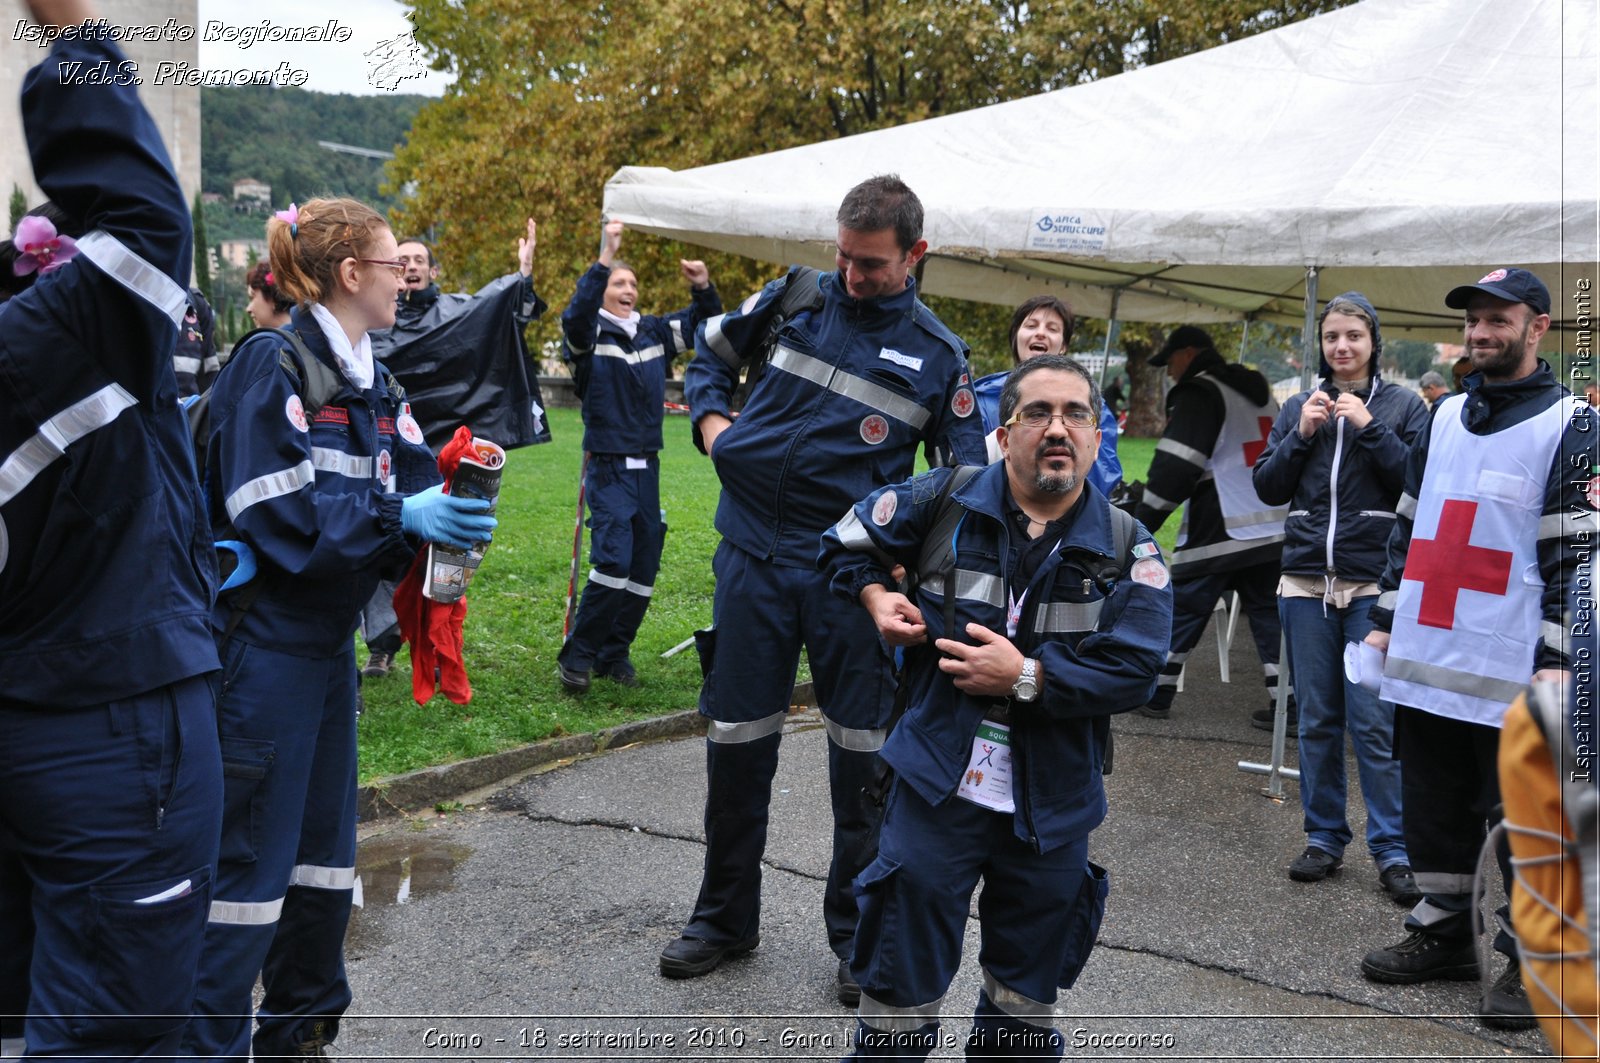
1400	148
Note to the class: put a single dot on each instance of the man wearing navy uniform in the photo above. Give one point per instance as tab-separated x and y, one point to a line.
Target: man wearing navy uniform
1053	612
108	836
852	387
1493	520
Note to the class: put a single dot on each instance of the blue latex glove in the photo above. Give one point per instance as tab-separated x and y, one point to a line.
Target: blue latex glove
244	570
441	518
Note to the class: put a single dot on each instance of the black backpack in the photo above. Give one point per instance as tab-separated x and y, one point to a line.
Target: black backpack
938	558
318	384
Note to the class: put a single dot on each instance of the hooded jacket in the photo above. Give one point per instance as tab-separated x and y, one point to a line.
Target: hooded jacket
1342	484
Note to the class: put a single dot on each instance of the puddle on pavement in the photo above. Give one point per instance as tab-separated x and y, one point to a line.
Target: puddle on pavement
398	870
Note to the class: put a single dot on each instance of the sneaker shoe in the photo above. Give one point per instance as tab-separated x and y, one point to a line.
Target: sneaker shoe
849	991
1263	719
1400	884
1314	865
572	679
1422	958
378	665
688	957
1505	1006
1154	713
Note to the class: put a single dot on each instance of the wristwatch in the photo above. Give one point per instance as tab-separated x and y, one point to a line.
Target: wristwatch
1026	688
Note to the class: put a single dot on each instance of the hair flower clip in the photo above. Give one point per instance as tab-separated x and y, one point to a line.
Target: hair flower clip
268	278
41	247
291	218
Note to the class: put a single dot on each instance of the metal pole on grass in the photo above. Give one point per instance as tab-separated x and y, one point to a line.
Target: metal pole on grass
577	548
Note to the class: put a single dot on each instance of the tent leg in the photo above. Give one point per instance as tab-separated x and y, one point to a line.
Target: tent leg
1111	334
1276	772
1244	339
1310	345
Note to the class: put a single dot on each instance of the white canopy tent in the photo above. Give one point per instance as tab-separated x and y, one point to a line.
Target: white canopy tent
1396	147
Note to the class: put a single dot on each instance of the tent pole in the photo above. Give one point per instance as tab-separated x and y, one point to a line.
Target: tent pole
1111	334
1244	339
1310	351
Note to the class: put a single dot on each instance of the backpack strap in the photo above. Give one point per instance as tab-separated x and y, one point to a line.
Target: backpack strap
802	291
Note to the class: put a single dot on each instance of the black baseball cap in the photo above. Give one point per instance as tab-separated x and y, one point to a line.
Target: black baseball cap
1181	338
1512	285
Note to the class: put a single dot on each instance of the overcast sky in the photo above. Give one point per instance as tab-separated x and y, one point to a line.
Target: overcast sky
331	67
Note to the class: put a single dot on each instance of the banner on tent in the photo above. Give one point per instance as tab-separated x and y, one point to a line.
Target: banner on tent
1067	232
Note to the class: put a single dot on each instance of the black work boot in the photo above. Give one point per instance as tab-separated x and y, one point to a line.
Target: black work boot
1422	958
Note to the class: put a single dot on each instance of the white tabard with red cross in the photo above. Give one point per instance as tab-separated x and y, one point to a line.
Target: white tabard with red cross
1241	441
1467	616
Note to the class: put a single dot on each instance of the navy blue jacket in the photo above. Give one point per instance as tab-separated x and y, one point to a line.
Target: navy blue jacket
851	389
1341	477
320	506
1101	653
623	381
106	566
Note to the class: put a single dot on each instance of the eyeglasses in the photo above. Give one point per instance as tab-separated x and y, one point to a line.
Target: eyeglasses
396	265
1078	417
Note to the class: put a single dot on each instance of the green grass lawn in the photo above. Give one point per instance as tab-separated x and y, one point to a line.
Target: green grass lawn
518	599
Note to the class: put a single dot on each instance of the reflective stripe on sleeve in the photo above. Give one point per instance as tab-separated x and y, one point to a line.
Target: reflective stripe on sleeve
1015	1004
1388	600
887	1018
736	733
1568	525
860	389
860	740
1555	636
262	488
1156	502
1406	507
57	434
324	459
719	343
1197	458
852	533
135	274
243	913
676	327
971	586
182	364
323	878
1440	678
1068	617
616	583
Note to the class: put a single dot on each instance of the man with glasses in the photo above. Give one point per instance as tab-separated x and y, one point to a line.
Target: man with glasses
853	385
463	360
1060	615
1219	415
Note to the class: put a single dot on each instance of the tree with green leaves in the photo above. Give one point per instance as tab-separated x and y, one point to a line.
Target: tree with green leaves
551	99
202	252
19	206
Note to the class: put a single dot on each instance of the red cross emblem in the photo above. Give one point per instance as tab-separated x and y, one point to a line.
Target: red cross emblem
384	464
874	429
963	403
1252	450
1448	564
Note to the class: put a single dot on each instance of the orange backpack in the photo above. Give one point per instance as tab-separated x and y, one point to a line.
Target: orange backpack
1552	816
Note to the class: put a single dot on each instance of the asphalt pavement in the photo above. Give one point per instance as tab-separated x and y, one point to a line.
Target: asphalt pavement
527	924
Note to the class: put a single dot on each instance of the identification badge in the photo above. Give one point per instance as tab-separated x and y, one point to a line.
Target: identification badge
987	781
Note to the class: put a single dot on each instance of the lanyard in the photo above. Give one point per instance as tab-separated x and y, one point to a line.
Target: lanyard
1015	604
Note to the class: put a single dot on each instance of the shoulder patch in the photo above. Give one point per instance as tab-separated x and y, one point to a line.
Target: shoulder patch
884	509
1150	572
962	403
295	410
